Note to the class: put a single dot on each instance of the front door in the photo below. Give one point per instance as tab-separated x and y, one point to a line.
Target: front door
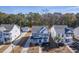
40	42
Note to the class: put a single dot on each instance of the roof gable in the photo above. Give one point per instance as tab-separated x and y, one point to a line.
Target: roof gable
36	29
7	27
60	28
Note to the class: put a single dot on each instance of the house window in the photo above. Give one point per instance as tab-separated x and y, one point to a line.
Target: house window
45	40
6	39
34	40
6	33
67	40
39	41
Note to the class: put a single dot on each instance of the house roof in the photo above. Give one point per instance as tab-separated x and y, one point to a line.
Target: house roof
59	28
2	29
76	28
76	33
36	29
39	32
6	27
68	30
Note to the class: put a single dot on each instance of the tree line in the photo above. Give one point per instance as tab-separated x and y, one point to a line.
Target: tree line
48	19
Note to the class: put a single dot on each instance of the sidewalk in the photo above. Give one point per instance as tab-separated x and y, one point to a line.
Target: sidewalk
9	49
40	49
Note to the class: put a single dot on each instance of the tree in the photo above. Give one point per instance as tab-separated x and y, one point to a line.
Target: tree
69	19
47	19
77	21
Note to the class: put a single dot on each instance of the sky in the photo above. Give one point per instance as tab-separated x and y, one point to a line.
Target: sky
38	9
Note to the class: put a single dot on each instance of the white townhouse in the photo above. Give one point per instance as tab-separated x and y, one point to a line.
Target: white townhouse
40	34
9	32
60	30
57	30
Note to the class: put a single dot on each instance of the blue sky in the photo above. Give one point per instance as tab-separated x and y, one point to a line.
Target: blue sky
40	9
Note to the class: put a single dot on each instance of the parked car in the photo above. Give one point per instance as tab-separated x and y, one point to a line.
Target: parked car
25	29
45	44
60	44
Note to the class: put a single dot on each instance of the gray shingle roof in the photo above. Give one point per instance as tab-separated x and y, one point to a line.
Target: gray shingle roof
36	29
2	29
6	27
60	28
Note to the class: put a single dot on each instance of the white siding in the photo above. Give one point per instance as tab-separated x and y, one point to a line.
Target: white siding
57	29
5	37
15	32
53	32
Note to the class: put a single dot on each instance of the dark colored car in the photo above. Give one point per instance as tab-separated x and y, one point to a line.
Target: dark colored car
60	44
45	44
